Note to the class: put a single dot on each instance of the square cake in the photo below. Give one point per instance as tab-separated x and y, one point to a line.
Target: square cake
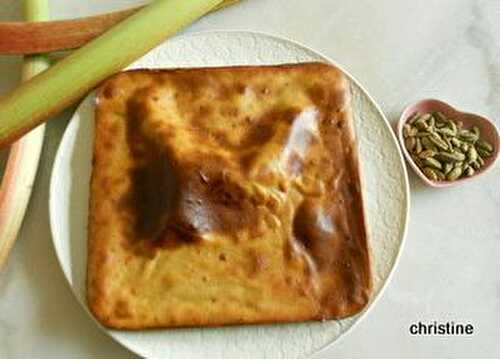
226	196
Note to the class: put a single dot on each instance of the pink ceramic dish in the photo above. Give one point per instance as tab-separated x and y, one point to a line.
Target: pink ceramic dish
489	132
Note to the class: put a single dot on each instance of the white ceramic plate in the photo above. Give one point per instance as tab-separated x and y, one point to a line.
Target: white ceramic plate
385	189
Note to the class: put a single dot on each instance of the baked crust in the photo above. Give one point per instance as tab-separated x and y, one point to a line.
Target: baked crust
226	196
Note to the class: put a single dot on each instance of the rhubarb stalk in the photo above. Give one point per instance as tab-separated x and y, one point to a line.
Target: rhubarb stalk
24	155
18	38
70	79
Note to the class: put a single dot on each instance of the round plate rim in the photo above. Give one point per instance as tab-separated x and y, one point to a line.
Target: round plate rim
325	58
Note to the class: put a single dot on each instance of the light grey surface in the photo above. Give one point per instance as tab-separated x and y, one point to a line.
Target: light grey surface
401	51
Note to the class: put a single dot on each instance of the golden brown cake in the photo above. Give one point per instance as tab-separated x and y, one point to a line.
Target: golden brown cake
226	196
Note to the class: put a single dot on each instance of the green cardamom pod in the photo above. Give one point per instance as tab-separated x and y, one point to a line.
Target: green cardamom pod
467	136
475	131
438	141
422	134
456	142
448	142
483	153
430	174
417	160
422	126
454	156
440	175
431	122
447	167
472	154
443	148
432	162
406	130
427	153
484	145
419	119
428	145
453	127
446	131
426	117
469	171
418	146
413	118
455	173
410	143
439	116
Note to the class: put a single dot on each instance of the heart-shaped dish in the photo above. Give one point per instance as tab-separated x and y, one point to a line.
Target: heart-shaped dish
489	133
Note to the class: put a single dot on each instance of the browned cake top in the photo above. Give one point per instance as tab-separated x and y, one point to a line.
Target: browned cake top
243	181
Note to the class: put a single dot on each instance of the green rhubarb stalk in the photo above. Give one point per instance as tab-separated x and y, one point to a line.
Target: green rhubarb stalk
24	155
67	81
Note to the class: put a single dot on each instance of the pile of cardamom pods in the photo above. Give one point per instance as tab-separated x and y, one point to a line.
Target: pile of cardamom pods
442	148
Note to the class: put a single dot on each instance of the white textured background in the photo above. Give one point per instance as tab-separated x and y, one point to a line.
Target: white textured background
400	50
